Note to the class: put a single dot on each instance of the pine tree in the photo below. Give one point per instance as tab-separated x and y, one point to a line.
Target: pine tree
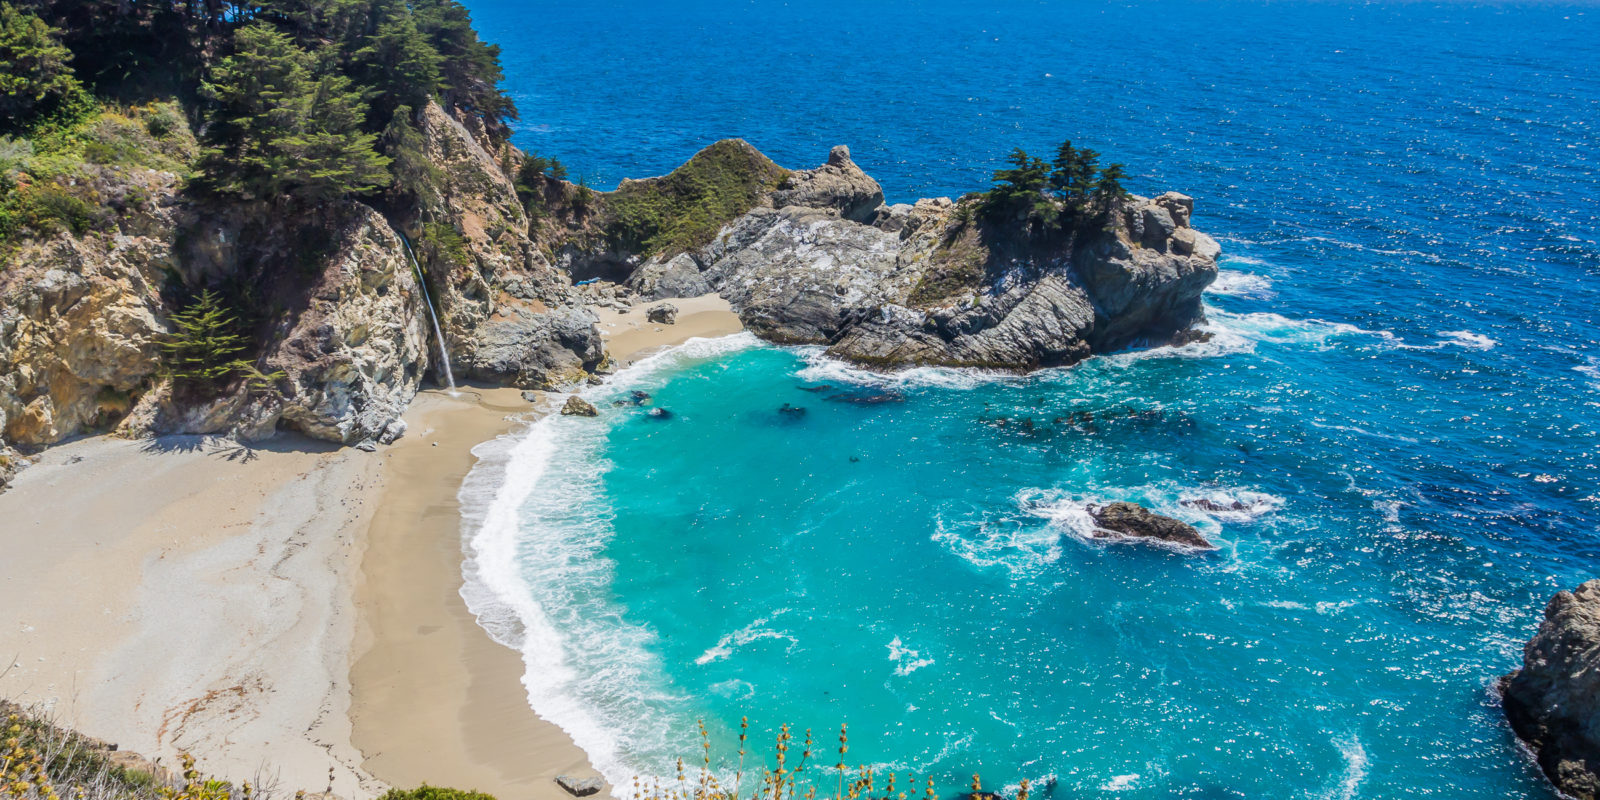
415	176
281	130
1108	189
35	71
206	346
1073	175
470	67
399	63
1020	190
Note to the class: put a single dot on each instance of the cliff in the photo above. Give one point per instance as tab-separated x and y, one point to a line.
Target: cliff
341	338
331	299
1553	701
816	258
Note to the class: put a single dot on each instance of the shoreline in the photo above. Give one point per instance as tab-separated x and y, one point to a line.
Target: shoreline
290	608
434	698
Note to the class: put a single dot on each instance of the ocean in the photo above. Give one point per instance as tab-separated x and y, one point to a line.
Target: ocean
1402	396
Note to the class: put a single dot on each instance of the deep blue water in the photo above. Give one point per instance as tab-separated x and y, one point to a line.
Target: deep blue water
1405	381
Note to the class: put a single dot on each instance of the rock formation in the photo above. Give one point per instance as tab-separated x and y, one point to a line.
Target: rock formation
810	256
341	312
1137	522
926	284
1553	702
662	313
579	407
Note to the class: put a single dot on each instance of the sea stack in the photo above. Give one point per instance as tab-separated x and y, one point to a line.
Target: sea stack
1553	702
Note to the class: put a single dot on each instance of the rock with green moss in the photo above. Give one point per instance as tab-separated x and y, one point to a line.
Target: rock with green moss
821	261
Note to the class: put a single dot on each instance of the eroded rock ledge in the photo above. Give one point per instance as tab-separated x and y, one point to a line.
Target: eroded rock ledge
1553	702
820	260
810	256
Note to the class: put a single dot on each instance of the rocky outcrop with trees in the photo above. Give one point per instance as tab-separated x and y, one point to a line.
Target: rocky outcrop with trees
1054	264
1553	701
241	236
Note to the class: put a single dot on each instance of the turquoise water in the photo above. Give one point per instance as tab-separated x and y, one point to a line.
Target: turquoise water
1404	388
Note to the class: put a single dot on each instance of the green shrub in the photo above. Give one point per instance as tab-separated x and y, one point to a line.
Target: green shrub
426	792
686	208
440	241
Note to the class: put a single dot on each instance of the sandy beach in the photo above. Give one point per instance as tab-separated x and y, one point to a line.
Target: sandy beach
288	609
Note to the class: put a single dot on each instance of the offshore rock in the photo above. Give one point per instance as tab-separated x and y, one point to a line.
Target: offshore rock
927	284
579	407
1553	702
1135	521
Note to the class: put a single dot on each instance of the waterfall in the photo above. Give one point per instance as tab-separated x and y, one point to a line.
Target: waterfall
444	354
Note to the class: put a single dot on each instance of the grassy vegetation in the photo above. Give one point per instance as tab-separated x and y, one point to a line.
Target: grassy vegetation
792	777
955	268
441	243
74	174
685	209
426	792
40	761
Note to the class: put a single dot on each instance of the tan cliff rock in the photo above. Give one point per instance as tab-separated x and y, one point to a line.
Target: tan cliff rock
509	316
80	318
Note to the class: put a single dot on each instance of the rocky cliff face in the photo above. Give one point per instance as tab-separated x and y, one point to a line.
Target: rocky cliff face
812	256
80	318
1553	702
339	310
508	315
823	262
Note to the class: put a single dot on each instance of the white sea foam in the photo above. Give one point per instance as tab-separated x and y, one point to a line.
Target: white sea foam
822	369
1468	339
1230	505
534	523
1121	783
905	659
754	632
1010	544
1590	370
1233	283
1232	333
1355	769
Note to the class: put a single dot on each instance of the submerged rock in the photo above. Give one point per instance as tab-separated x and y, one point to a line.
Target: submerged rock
664	313
1553	702
1138	522
579	407
792	411
659	413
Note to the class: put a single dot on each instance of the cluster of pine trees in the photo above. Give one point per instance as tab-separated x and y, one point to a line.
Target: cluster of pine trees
1070	191
305	99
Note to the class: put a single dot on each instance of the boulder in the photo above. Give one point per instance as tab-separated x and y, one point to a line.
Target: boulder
1135	521
663	313
579	407
1553	701
579	786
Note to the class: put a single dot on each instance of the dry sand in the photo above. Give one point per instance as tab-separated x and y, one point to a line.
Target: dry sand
630	337
285	610
435	700
191	595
